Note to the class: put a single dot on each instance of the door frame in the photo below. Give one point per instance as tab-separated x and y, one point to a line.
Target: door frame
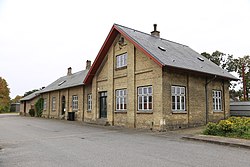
102	95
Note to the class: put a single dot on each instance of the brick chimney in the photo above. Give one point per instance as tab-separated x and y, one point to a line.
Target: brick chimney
155	32
69	71
88	64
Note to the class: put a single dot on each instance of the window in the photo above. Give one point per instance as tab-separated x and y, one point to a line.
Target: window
145	98
178	98
44	104
74	102
217	103
89	102
121	99
53	103
121	60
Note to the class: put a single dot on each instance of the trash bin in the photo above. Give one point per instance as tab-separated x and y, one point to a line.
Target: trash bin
71	116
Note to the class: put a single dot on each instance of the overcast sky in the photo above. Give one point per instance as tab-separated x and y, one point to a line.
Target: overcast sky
40	39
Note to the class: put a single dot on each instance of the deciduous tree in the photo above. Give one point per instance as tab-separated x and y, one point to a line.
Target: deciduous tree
4	96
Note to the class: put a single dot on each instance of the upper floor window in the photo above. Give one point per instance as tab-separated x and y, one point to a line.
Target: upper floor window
53	103
145	98
121	60
44	104
121	99
74	102
217	102
178	98
89	106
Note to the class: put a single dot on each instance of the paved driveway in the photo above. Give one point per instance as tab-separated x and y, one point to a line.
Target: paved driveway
32	142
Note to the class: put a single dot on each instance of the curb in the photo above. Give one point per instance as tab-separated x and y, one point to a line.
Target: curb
216	140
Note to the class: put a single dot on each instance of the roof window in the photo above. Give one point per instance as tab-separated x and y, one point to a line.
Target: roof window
61	83
200	58
162	48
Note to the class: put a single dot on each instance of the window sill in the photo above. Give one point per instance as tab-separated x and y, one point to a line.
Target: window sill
122	112
89	111
144	112
121	68
218	111
179	112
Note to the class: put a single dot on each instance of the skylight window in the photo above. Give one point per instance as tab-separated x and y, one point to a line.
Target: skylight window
162	48
200	58
61	83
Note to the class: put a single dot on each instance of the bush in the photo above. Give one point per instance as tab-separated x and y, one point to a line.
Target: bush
32	112
39	107
232	127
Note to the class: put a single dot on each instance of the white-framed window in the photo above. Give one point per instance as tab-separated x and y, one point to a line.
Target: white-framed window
178	98
121	60
53	103
74	102
44	104
121	99
145	98
89	106
217	102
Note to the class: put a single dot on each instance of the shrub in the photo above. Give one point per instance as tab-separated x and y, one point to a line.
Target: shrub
32	112
211	129
232	127
39	107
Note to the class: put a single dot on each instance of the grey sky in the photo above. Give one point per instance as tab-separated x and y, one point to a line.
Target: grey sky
40	39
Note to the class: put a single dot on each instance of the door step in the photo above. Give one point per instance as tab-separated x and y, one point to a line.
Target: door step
102	121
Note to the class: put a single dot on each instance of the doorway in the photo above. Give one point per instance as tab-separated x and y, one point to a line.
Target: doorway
103	104
63	105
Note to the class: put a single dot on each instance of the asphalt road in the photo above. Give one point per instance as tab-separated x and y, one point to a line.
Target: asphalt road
32	142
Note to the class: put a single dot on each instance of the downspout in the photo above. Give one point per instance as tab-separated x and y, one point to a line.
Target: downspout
83	95
224	102
207	82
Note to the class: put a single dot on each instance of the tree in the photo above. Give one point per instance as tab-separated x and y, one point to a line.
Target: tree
39	107
4	96
16	99
29	92
227	62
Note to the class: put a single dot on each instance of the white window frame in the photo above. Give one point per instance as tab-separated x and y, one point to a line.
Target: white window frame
44	104
121	99
89	106
53	103
178	93
144	95
121	60
217	100
74	103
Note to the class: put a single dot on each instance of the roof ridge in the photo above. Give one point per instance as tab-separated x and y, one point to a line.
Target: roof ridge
150	35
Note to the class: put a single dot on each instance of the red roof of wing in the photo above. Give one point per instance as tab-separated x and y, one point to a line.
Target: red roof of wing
105	47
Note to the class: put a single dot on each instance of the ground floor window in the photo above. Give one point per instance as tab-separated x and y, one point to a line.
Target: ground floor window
145	98
178	98
217	102
89	106
121	99
74	102
53	103
44	104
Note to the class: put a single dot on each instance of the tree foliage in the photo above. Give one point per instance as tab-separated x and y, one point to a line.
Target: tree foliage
4	96
231	64
39	107
30	92
16	99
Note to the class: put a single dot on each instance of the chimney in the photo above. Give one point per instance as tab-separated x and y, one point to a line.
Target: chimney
155	32
88	64
69	71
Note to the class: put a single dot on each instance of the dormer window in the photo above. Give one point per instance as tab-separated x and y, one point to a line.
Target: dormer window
121	60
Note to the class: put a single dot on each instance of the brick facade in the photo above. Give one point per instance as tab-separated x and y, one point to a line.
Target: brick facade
141	70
